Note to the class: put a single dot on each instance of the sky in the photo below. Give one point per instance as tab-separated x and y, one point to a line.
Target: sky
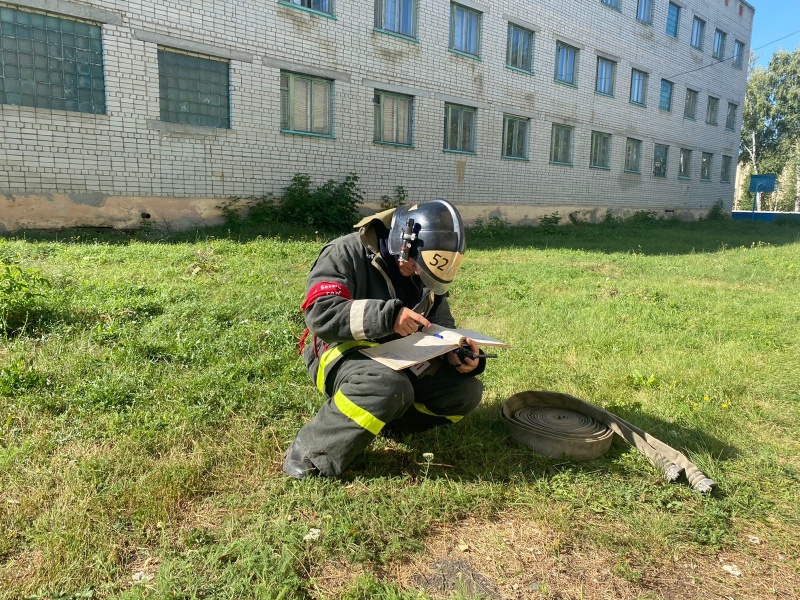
774	19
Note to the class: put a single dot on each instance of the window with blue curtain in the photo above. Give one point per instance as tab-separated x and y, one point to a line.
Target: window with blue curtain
520	48
638	87
566	59
465	29
605	76
397	16
644	11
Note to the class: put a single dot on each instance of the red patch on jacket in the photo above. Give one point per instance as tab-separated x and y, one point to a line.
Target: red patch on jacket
325	288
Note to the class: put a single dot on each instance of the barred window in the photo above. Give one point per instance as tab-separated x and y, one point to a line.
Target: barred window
665	99
393	118
306	105
47	61
673	19
193	89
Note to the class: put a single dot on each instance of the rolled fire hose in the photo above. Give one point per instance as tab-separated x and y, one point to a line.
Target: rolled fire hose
559	425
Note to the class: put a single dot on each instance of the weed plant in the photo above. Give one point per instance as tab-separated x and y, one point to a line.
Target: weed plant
144	413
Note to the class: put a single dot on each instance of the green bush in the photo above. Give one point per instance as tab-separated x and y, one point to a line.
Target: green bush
331	207
19	290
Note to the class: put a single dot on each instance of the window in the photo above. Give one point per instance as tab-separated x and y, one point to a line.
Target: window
730	119
711	110
685	163
644	11
738	54
606	69
611	3
193	89
325	6
397	16
665	98
719	45
633	155
306	105
638	87
705	166
520	48
459	128
393	118
561	145
660	155
566	62
725	174
698	30
465	30
600	155
673	18
515	137
50	62
690	108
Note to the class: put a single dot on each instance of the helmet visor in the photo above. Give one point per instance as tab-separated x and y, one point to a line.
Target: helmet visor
438	268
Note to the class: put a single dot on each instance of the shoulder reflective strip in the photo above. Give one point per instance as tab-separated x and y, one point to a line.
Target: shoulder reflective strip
356	413
424	410
357	310
333	354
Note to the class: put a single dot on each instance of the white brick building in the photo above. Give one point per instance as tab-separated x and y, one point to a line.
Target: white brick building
508	108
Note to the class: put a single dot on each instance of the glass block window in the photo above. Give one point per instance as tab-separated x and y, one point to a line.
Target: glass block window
638	87
730	119
660	155
725	174
561	145
393	118
644	11
515	137
673	19
633	155
51	62
719	45
685	163
665	98
712	108
398	16
459	128
325	6
606	69
465	29
193	89
690	107
306	105
520	48
566	62
738	54
600	154
705	166
698	31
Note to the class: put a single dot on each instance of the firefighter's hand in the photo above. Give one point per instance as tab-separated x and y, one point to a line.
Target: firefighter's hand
467	364
408	321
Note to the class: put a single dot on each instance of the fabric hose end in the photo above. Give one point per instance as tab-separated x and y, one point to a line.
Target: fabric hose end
705	485
673	473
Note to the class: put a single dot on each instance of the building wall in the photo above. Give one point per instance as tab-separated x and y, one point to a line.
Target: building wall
110	169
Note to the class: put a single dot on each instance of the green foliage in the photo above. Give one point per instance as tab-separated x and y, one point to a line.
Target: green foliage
717	212
399	199
548	224
495	229
19	290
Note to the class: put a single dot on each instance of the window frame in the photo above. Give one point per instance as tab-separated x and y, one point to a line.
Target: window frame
644	11
633	165
725	169
698	33
449	108
569	131
670	86
695	96
685	163
289	126
675	21
380	115
567	48
738	54
380	18
660	166
508	122
712	110
718	51
611	3
642	76
528	56
597	153
730	117
468	13
706	162
611	79
301	4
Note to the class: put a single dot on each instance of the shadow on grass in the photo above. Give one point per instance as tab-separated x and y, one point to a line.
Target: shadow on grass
634	236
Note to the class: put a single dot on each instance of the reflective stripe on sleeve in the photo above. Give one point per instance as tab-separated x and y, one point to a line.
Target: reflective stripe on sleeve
357	310
332	355
356	413
424	410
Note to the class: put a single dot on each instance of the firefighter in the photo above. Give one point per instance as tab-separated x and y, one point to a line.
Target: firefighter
387	280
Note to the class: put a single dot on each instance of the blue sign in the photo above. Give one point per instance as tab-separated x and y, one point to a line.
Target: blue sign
762	183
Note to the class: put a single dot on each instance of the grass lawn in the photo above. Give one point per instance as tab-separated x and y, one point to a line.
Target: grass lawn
147	398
